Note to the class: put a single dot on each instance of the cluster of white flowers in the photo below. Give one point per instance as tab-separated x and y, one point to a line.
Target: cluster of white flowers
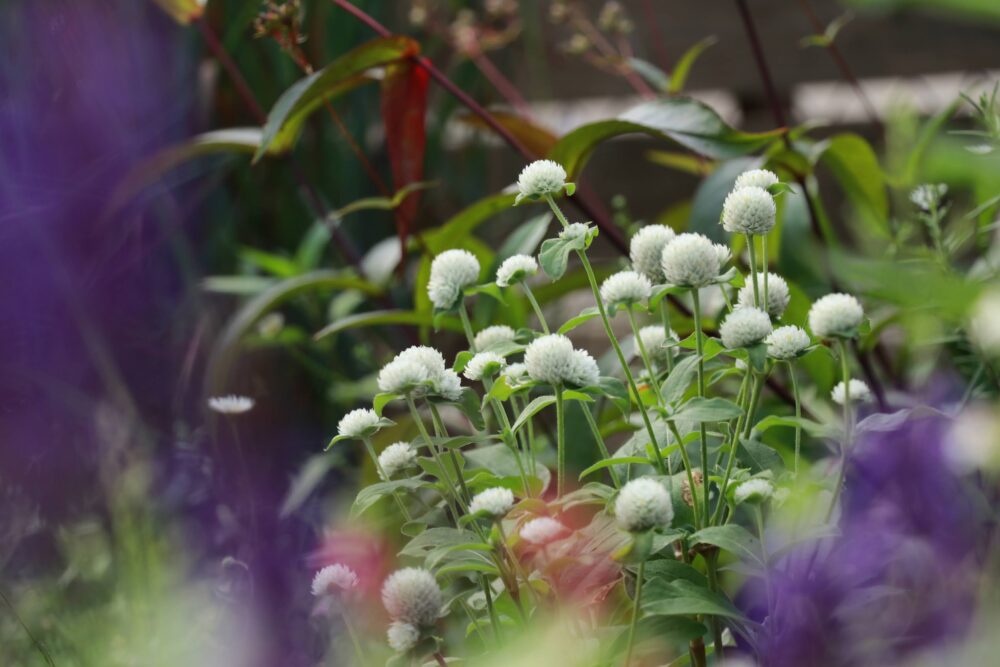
835	315
542	530
860	392
691	260
412	595
494	336
496	502
756	178
484	365
230	405
753	491
333	580
749	210
625	288
787	342
402	636
540	178
451	272
358	423
396	458
778	295
646	250
927	197
515	269
654	339
745	327
420	369
553	360
643	504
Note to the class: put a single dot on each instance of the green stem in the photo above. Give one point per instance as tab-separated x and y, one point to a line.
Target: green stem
635	612
689	470
700	351
456	496
560	443
534	305
558	211
665	318
644	355
713	585
507	434
763	251
743	423
381	473
753	269
595	429
845	374
798	416
463	314
494	620
354	638
440	429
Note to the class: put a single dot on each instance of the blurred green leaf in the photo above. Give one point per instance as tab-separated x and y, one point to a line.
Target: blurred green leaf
854	164
383	317
679	77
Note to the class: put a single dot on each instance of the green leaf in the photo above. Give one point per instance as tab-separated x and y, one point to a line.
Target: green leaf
370	495
653	75
854	164
383	399
554	257
688	122
531	409
708	410
585	315
437	538
759	456
459	441
733	538
284	122
656	631
502	462
684	598
489	289
238	285
672	570
706	206
683	67
680	378
809	426
384	317
463	223
470	406
607	463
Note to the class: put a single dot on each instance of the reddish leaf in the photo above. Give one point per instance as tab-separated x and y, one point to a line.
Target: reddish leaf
537	139
404	107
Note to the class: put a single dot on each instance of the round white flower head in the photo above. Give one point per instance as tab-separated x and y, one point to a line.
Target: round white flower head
787	342
396	458
358	423
542	530
484	364
412	595
724	252
860	393
690	260
334	579
584	371
835	315
753	491
576	230
758	178
778	295
496	502
230	405
448	385
402	636
749	210
540	178
646	249
984	323
515	269
643	504
451	272
625	288
654	339
499	334
745	327
417	367
515	373
550	359
928	196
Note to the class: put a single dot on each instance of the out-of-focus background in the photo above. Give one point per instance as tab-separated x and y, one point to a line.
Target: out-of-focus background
139	528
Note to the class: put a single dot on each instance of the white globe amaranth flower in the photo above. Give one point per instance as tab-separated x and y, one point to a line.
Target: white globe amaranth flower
448	385
584	371
625	288
984	323
495	502
758	178
787	342
690	260
928	197
753	491
231	404
551	359
333	580
860	392
516	269
451	272
484	365
575	230
835	315
358	423
396	458
542	530
494	336
778	295
413	596
745	327
724	253
654	338
540	178
401	376
421	369
749	210
402	636
646	249
643	504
